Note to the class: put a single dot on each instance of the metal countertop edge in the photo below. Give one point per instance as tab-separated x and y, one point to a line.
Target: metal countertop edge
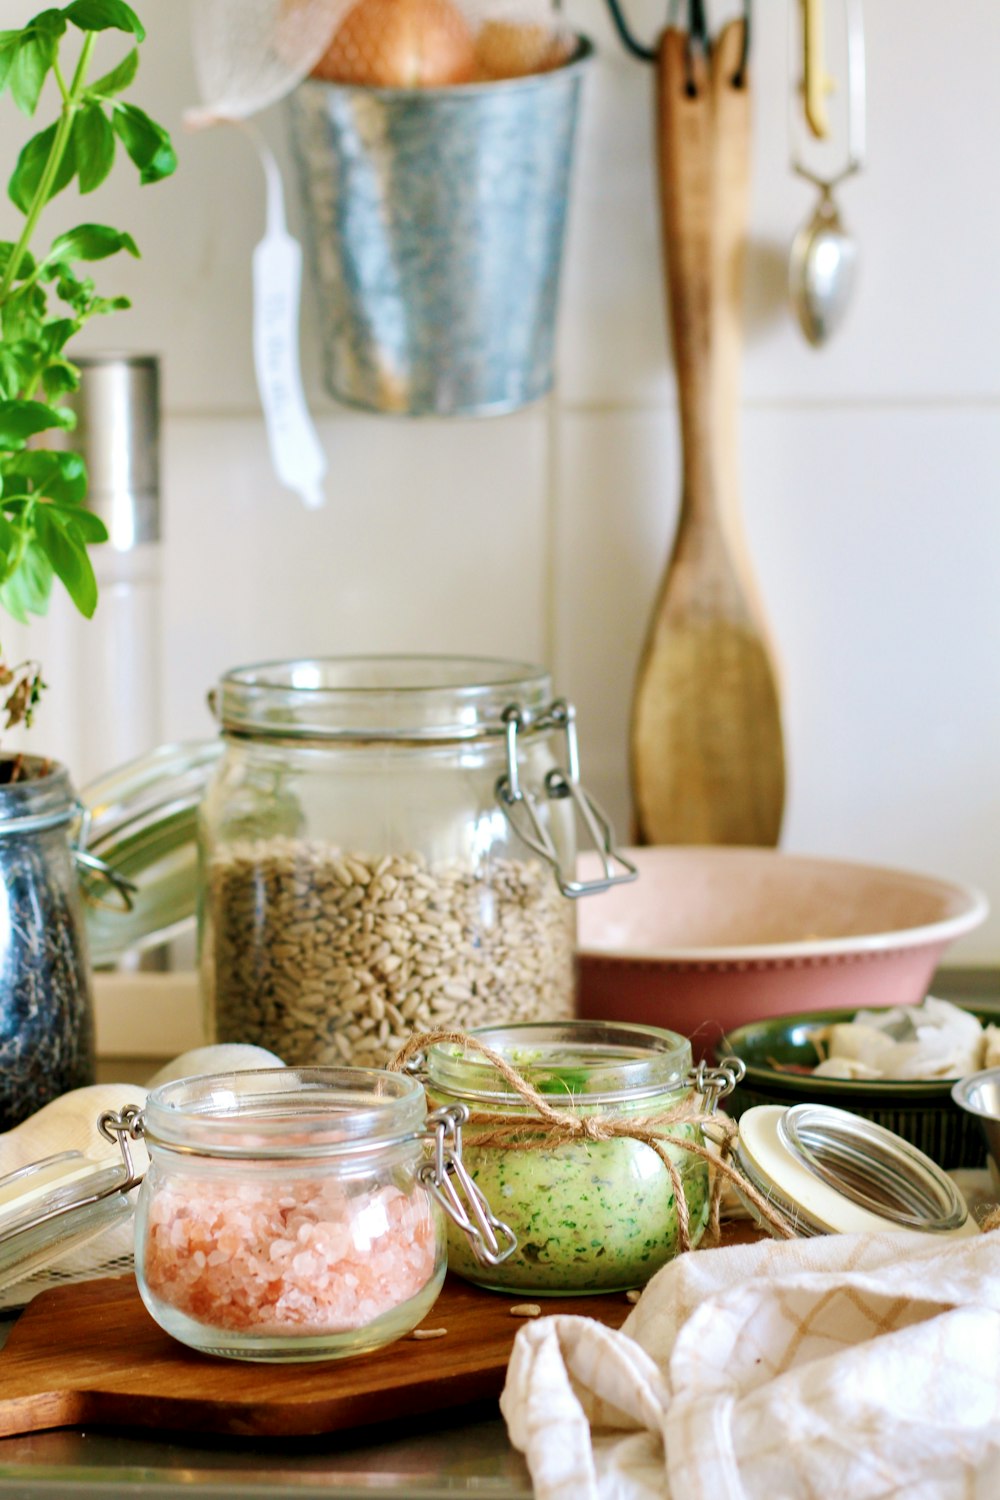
54	1482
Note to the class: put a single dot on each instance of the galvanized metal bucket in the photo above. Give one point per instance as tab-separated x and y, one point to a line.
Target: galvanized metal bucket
436	219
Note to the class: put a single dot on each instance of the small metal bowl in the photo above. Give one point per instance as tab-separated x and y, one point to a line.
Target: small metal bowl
979	1096
922	1111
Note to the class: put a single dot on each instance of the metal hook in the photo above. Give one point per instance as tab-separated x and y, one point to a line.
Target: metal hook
855	143
740	76
698	25
629	42
698	34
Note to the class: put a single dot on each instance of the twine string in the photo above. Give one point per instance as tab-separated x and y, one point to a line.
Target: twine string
544	1128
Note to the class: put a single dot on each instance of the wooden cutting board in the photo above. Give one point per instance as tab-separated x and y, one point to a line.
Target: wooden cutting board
91	1353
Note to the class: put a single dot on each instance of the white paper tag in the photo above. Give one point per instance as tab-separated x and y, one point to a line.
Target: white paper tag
298	458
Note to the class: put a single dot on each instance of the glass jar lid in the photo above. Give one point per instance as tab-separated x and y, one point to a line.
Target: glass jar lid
603	1062
53	1206
277	1113
363	698
142	820
828	1171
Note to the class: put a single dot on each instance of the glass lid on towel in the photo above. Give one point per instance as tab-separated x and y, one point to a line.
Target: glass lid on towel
56	1205
827	1171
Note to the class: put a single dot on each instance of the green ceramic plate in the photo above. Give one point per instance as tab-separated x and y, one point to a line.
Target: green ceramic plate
919	1110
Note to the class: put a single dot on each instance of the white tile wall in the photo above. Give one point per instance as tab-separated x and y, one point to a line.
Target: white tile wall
433	539
869	468
867	526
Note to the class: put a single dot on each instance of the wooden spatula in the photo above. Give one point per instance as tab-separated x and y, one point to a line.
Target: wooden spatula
707	757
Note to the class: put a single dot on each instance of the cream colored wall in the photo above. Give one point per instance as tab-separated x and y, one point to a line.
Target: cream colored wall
869	468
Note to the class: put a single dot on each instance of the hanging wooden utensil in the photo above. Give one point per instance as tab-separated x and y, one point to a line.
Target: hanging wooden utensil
707	755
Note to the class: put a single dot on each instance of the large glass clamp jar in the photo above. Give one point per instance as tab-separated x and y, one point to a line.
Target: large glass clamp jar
388	844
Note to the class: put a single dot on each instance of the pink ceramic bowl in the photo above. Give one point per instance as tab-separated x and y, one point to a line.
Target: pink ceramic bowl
710	938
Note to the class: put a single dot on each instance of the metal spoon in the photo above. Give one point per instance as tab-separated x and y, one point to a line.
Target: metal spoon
821	271
823	260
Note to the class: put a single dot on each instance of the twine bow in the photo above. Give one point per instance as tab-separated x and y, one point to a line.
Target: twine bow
545	1127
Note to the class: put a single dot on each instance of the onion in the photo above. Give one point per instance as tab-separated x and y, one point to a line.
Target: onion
513	49
400	44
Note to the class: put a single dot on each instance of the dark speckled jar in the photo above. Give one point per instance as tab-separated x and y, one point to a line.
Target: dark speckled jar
46	1008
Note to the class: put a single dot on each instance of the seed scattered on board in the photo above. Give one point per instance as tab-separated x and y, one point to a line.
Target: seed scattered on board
428	1333
633	1296
525	1310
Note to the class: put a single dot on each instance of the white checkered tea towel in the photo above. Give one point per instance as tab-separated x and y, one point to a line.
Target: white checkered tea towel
847	1367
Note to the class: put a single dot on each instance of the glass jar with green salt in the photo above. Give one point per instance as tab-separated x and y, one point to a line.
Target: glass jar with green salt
590	1214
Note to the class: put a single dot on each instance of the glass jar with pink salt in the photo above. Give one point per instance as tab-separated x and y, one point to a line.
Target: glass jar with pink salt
296	1214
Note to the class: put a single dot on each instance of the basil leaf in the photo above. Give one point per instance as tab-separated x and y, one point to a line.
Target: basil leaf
147	143
77	291
90	528
56	334
8	51
118	79
30	68
11	377
104	15
20	420
68	557
94	141
109	305
27	591
91	242
60	477
8	538
19	362
9	597
31	164
60	377
22	315
37	48
27	265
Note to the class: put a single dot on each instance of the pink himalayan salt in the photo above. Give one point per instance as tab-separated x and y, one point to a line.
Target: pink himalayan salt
277	1258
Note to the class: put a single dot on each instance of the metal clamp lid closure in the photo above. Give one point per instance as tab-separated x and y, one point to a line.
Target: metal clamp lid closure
449	1184
511	794
122	1126
97	873
718	1083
